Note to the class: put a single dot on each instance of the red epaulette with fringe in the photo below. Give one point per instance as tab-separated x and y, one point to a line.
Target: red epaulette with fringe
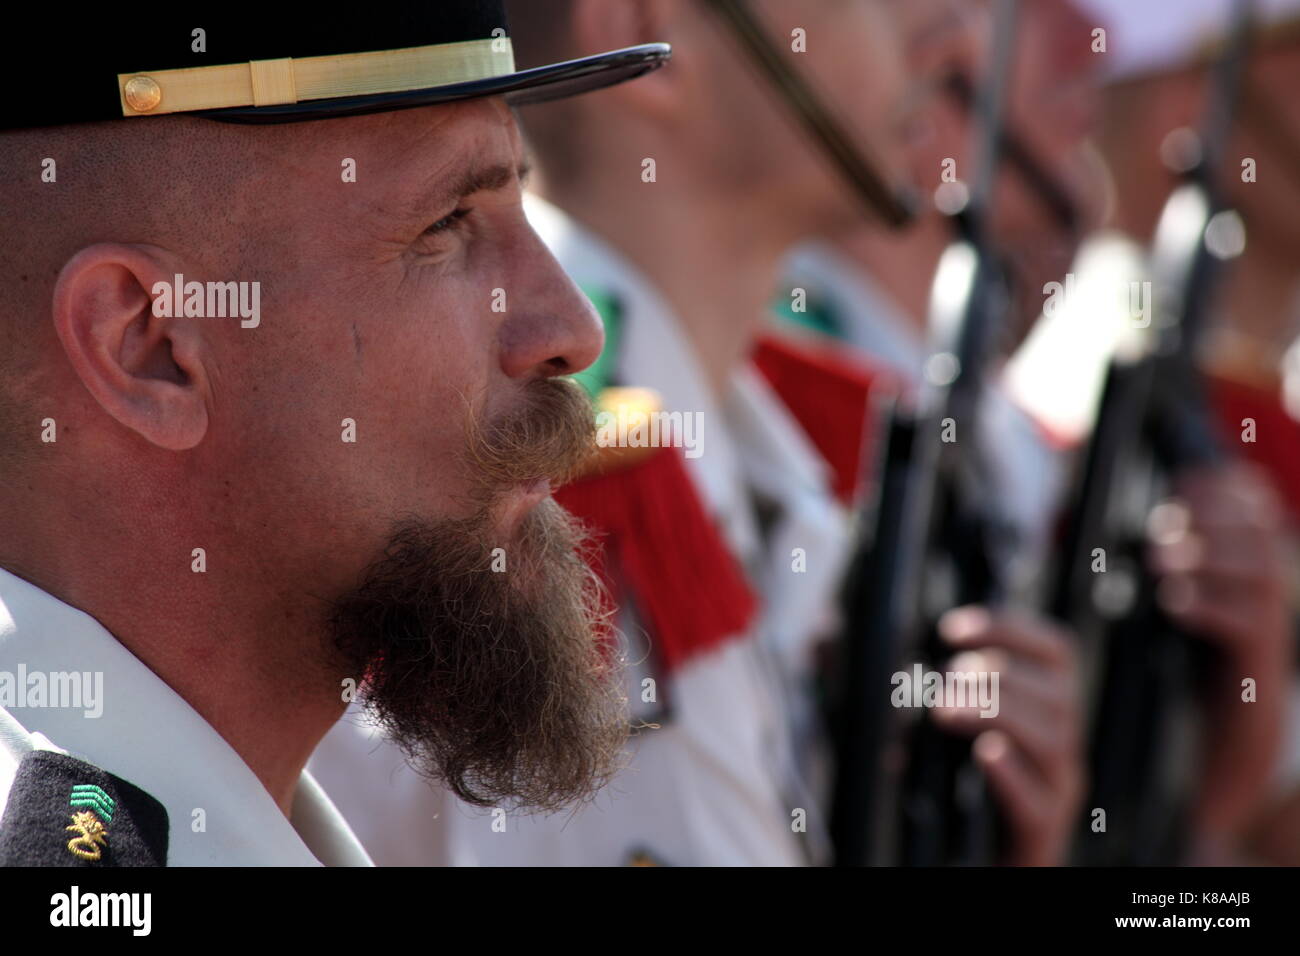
657	546
1276	444
828	388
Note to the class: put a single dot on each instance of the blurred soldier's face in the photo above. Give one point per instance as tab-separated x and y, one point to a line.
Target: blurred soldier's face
942	37
1053	94
372	460
1051	102
1053	105
852	58
1269	133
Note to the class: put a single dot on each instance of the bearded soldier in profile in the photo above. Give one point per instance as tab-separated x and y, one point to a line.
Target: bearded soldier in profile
236	523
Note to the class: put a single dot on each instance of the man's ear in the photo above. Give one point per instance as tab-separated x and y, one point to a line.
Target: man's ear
146	371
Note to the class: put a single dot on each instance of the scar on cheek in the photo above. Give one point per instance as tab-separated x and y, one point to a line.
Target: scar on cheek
356	339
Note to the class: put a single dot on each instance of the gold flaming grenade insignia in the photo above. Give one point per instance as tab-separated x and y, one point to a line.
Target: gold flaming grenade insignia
92	835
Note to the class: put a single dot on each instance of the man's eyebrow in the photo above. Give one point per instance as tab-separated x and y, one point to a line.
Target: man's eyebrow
481	179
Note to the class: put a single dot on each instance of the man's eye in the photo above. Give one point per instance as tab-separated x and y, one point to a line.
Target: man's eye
447	222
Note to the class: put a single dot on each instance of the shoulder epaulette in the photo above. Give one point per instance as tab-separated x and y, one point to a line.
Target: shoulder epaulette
828	389
1275	435
658	547
65	812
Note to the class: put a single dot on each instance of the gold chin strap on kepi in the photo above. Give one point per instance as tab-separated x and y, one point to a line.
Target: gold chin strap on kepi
890	203
289	80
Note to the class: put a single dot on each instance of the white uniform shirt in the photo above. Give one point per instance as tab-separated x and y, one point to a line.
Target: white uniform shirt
148	735
717	784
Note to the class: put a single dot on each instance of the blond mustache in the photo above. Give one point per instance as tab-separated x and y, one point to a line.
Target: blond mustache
551	436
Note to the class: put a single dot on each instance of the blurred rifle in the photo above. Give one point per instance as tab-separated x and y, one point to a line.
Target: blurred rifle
905	791
1153	421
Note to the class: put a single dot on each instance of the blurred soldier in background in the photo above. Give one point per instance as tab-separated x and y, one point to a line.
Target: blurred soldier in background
873	289
1218	546
1233	583
673	208
876	286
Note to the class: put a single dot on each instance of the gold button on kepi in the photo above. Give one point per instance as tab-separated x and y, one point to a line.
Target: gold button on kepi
142	93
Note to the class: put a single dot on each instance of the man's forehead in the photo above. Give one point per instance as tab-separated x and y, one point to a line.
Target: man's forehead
442	153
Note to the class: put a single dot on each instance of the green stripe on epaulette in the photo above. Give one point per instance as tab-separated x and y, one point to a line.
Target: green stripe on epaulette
88	795
601	372
61	811
816	315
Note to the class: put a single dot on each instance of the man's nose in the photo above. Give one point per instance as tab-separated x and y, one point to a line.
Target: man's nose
551	328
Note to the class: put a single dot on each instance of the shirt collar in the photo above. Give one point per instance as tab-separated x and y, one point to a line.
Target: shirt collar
149	735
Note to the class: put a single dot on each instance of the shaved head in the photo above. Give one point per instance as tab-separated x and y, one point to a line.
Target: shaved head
174	182
160	180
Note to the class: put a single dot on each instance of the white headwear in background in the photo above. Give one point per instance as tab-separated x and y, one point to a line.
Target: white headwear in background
1151	36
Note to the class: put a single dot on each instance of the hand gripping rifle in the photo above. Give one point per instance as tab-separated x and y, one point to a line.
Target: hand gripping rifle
1152	422
905	791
